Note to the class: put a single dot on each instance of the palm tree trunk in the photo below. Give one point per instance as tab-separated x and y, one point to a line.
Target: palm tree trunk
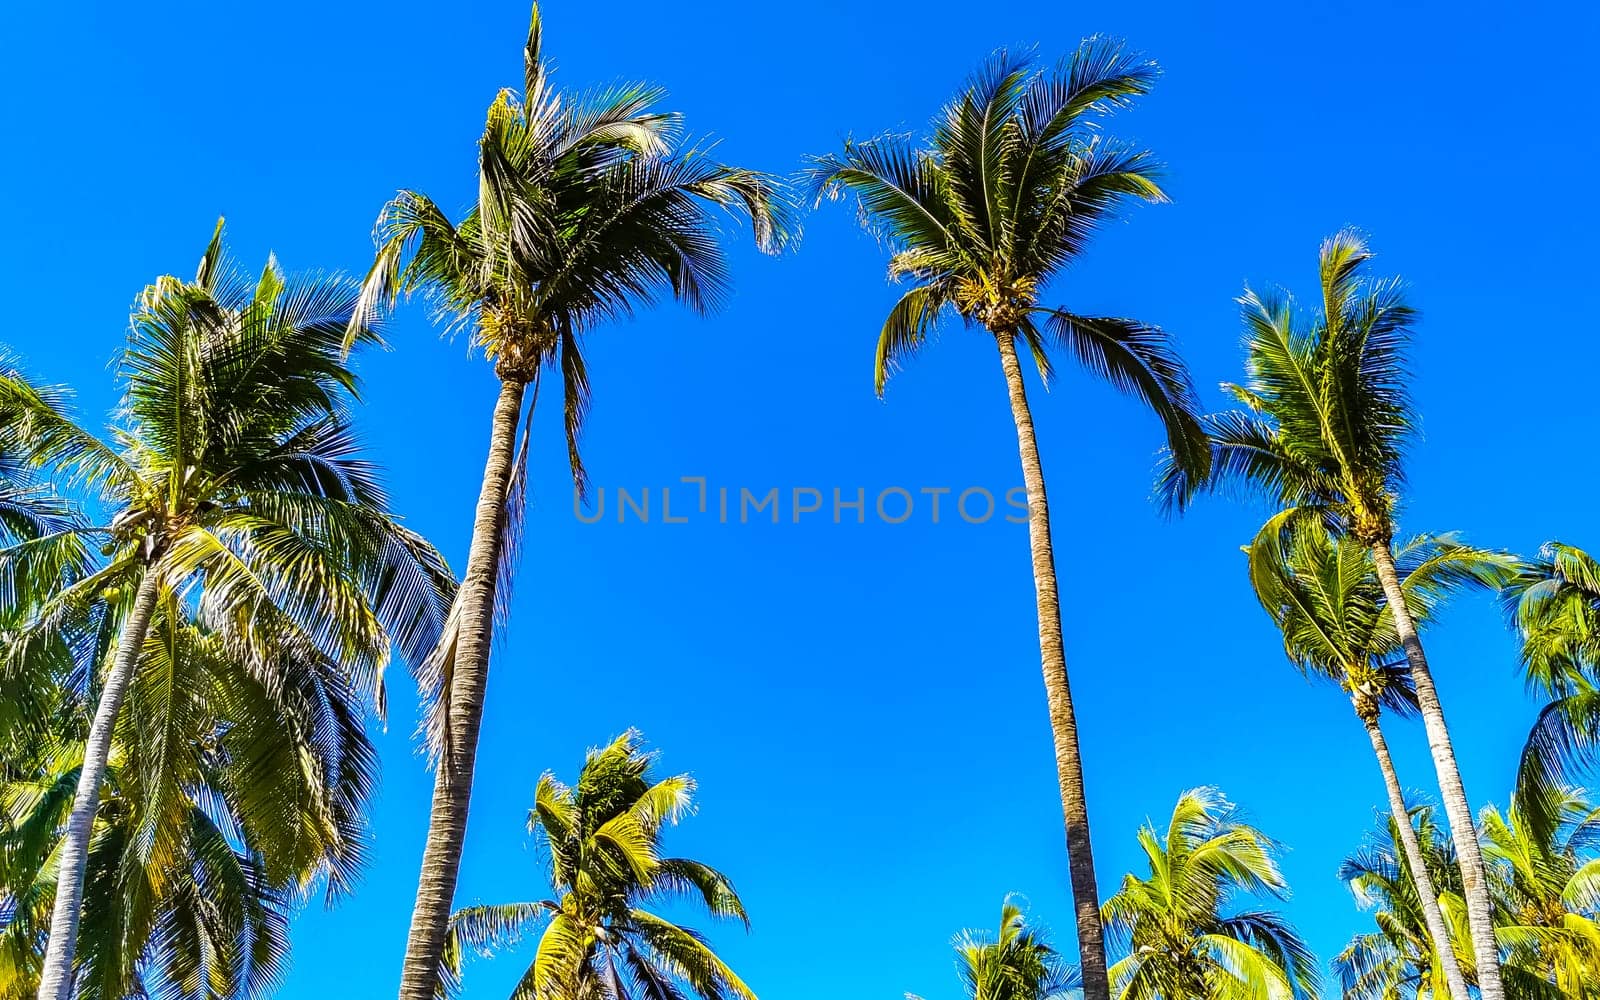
1474	880
1432	916
1058	694
56	981
452	787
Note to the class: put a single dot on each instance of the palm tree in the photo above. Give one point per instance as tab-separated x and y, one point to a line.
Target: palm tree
1554	603
603	837
587	209
1005	196
1322	434
1018	964
1182	938
202	844
1401	960
1549	885
1322	592
233	487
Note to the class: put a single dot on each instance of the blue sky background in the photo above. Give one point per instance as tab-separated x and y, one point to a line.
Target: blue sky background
861	703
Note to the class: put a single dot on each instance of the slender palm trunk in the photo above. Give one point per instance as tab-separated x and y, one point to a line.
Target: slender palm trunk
452	787
1058	694
1432	916
56	982
1474	880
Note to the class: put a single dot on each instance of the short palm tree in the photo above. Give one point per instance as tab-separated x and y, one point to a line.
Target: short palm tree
232	486
1182	938
1549	886
1554	604
1322	435
1401	960
1003	198
1322	592
1017	964
603	837
587	210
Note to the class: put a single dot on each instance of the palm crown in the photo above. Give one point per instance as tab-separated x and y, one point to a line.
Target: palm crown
603	838
1181	938
1323	593
1012	185
1016	964
587	208
1399	959
1326	412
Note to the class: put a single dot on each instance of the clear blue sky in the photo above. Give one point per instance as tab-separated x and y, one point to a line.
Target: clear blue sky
861	703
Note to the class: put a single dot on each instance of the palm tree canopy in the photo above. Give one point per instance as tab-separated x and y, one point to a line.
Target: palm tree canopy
1548	883
1323	593
1177	926
1016	964
1397	960
231	479
590	205
1006	193
603	839
1326	414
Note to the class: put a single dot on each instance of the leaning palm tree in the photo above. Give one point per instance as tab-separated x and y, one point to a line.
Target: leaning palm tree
1182	938
603	837
1018	964
1322	436
587	210
1322	592
1549	886
1401	959
1004	197
232	486
1554	604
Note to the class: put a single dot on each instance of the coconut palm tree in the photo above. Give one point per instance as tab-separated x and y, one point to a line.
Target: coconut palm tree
1003	197
202	844
1017	964
1324	595
1182	938
603	838
588	208
1548	881
233	487
1326	417
1554	604
1401	960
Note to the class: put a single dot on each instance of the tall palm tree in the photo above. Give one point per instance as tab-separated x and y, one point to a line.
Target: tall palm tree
603	838
1017	964
1183	939
233	486
588	209
1323	593
1401	960
1549	886
1554	604
1004	197
1326	419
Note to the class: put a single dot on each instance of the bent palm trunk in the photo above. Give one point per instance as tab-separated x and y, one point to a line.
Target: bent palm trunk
1058	694
452	786
1432	916
56	980
1474	880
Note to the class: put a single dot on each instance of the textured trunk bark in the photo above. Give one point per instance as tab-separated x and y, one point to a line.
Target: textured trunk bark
1475	883
1431	914
1058	695
56	980
452	786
